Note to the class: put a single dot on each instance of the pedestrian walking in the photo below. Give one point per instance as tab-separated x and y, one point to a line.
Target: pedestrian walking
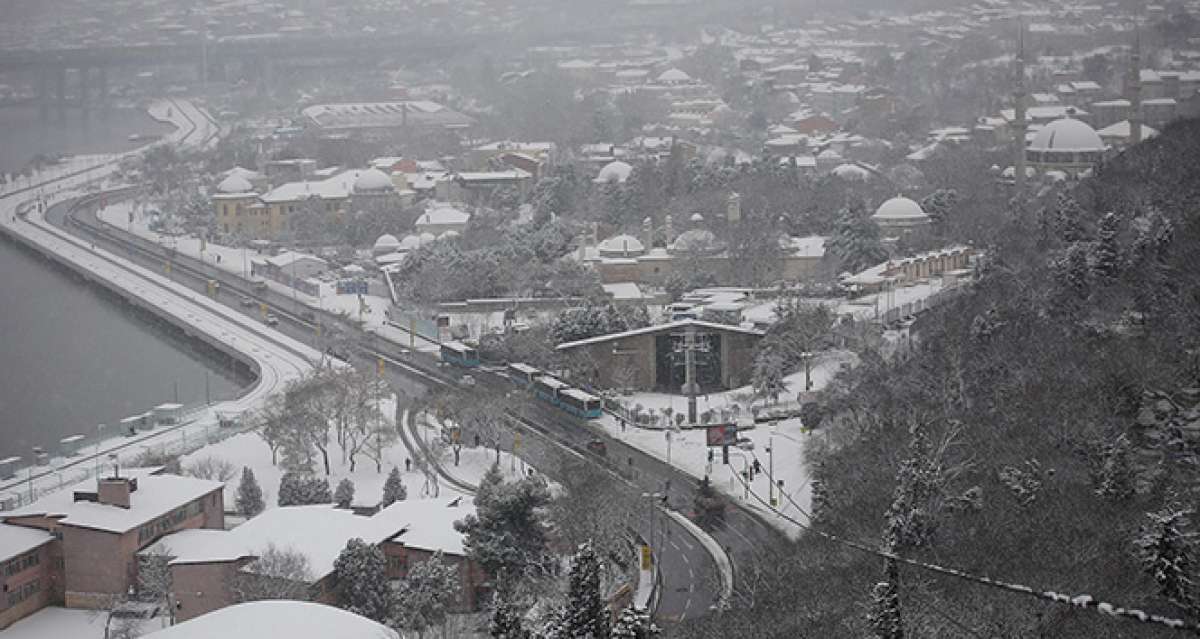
407	464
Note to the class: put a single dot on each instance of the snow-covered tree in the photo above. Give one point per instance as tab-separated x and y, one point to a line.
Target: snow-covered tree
249	495
939	205
361	571
1114	474
343	495
768	374
883	617
1106	256
1068	218
585	614
635	623
507	532
393	488
276	573
1166	551
297	490
1071	273
855	240
422	598
506	620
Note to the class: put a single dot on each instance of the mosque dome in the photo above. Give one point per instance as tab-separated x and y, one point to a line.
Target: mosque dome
623	245
386	243
372	180
900	211
696	240
1067	135
673	75
409	243
851	172
615	171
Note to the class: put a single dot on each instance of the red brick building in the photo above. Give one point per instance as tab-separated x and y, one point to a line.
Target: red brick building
92	533
25	572
205	563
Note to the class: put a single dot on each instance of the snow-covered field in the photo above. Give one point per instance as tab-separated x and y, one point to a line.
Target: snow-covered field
68	622
687	449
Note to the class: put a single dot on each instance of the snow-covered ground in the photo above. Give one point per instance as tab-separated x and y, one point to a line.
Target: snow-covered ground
136	217
688	451
68	622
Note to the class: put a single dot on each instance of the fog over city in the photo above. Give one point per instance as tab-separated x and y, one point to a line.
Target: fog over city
582	319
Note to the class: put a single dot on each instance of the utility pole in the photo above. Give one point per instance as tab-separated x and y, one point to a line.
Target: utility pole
691	387
1020	126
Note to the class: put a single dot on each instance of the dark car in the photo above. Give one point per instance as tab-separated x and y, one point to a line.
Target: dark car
598	447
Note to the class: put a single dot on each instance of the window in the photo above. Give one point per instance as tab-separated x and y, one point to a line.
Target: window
30	589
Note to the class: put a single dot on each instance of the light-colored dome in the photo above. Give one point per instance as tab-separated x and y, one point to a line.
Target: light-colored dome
1056	176
673	75
372	180
386	243
696	217
409	243
249	174
829	154
620	246
1067	135
615	171
448	235
697	240
428	237
235	184
851	172
899	208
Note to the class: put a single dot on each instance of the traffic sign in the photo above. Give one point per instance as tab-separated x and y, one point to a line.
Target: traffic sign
647	558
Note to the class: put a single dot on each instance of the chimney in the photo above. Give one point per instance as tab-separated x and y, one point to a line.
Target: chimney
733	208
115	491
647	234
670	231
595	233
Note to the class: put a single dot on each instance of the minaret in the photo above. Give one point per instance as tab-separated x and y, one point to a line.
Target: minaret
1135	88
1020	126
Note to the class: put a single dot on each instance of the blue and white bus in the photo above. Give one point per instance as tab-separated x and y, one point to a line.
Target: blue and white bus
523	375
579	403
547	388
460	354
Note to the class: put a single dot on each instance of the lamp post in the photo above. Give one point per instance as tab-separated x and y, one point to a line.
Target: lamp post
651	498
807	357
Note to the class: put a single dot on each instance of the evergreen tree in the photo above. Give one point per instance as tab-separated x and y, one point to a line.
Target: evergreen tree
249	494
1068	218
1071	274
506	620
316	491
507	533
361	570
939	204
635	623
423	597
884	614
393	488
767	376
343	495
1115	475
855	240
1165	551
1106	259
585	615
291	490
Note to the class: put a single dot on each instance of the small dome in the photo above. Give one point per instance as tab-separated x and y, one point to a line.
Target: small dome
899	208
615	171
829	154
409	243
386	244
372	180
623	245
448	235
673	75
1056	176
851	172
1067	135
235	184
696	240
427	238
696	217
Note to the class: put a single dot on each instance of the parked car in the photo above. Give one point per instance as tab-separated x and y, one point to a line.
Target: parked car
467	380
247	302
271	319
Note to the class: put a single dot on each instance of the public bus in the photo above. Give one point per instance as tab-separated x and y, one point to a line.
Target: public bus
523	375
460	354
547	388
579	403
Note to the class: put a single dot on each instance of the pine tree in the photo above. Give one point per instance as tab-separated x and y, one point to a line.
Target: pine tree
343	495
422	598
585	615
361	570
249	495
884	615
1115	476
316	491
393	488
506	620
855	240
768	374
290	490
1068	218
635	623
1106	259
507	533
1165	551
1071	273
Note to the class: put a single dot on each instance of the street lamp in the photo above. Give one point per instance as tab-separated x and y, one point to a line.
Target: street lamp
651	499
807	357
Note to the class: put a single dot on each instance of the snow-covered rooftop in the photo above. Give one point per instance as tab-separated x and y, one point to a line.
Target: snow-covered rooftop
658	328
156	495
320	532
292	619
15	540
